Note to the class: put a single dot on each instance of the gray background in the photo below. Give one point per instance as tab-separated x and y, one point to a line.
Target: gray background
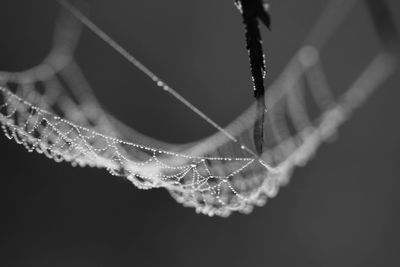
342	209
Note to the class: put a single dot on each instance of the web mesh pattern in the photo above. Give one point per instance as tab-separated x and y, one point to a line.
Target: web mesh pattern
51	109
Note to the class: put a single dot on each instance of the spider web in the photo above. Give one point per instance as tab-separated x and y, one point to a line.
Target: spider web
51	109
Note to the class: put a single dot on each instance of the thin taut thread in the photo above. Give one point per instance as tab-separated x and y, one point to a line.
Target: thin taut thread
117	47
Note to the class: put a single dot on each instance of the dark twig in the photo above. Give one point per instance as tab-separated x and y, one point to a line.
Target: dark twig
252	11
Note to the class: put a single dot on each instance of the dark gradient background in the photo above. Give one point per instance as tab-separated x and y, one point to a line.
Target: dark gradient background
342	209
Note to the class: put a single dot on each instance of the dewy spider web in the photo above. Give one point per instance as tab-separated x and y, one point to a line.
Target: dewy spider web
51	109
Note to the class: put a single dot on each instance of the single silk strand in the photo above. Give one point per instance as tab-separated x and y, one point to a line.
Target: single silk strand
100	33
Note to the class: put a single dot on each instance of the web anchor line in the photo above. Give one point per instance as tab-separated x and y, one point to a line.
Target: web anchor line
160	83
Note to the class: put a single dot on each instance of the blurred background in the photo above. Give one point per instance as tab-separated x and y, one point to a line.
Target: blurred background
342	209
